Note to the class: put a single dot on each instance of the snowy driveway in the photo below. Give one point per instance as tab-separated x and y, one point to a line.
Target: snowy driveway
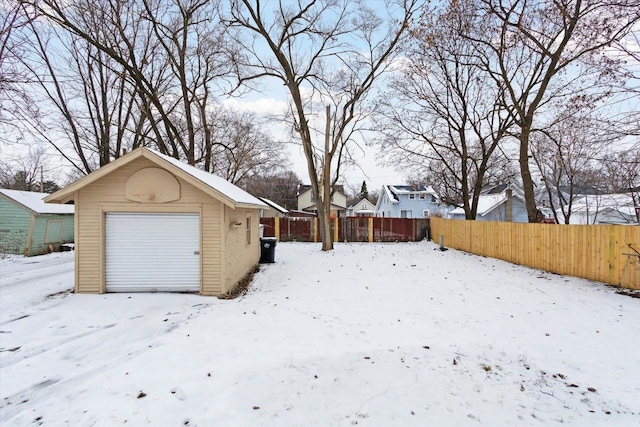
367	334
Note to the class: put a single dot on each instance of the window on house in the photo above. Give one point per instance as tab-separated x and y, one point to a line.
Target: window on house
412	196
405	214
248	230
423	196
426	213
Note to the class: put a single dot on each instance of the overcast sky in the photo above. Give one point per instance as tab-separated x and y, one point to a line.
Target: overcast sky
369	169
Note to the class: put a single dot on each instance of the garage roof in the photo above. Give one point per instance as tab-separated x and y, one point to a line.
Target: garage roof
33	202
274	205
219	188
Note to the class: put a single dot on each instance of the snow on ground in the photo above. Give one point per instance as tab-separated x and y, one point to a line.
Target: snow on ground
368	334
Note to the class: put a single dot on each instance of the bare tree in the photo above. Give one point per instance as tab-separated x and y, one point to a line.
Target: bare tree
544	50
279	186
566	155
325	51
622	172
169	53
444	116
83	99
25	171
14	99
242	147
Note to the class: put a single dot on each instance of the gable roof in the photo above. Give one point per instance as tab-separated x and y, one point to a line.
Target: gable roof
211	184
34	202
394	191
273	205
488	202
364	200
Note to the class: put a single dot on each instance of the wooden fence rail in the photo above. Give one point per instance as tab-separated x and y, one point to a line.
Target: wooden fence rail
605	253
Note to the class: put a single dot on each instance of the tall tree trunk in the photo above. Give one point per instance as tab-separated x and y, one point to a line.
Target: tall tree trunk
525	172
327	239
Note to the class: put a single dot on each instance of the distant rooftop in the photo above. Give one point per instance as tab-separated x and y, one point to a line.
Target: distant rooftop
33	201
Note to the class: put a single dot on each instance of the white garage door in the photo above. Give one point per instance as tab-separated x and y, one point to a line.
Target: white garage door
152	252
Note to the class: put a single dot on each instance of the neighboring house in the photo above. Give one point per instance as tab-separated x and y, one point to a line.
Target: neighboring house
500	203
407	201
603	209
307	203
147	222
273	209
363	208
29	226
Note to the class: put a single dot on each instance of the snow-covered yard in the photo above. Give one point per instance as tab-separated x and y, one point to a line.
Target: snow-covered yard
368	334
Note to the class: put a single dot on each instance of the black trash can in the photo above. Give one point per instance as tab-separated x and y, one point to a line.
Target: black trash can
268	249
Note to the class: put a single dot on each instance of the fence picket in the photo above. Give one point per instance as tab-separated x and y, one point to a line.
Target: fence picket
595	252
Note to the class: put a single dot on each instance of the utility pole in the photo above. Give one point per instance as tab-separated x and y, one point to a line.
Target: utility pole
327	241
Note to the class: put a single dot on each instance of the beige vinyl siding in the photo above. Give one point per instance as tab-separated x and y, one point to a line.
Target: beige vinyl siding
211	219
304	200
339	199
108	195
240	257
88	260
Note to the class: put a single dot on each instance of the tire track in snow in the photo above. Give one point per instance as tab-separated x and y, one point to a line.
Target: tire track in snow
20	401
34	273
35	351
12	405
26	286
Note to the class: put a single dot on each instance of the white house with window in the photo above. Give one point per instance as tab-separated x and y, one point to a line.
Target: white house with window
363	208
407	201
307	203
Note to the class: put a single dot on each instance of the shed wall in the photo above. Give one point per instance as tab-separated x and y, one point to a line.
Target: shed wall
14	227
108	195
40	243
240	257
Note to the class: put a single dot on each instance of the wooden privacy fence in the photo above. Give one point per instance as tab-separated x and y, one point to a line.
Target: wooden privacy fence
605	253
350	229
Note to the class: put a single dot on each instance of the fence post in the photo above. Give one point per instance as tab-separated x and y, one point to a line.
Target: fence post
276	226
370	229
315	229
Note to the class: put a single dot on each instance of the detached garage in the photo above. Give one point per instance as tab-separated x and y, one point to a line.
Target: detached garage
150	223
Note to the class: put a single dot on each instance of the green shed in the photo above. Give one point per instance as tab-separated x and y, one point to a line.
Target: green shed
29	226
